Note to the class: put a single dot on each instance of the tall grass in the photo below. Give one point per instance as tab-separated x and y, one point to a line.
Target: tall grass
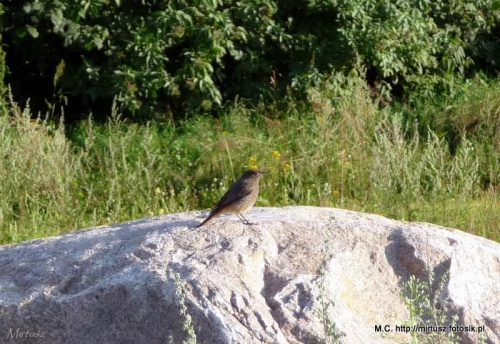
349	153
39	178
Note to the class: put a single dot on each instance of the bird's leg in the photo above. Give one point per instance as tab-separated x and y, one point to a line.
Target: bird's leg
242	233
241	218
245	221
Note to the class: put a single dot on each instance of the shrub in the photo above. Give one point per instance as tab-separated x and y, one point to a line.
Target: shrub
185	56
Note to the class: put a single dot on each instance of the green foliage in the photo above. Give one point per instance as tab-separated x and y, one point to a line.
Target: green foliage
38	177
187	324
414	169
3	107
152	55
429	308
421	44
347	153
184	56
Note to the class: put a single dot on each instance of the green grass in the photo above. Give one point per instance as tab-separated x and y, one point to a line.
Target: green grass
350	154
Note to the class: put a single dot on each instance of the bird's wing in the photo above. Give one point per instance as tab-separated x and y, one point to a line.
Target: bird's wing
235	192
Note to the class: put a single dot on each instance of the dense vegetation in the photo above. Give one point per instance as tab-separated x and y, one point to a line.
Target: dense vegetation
354	156
379	106
163	58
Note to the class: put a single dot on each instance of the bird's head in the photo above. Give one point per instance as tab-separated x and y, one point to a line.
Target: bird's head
253	174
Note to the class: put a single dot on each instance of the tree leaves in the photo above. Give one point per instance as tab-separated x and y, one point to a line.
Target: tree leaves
185	54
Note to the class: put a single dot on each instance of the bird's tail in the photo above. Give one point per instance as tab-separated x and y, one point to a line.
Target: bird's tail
212	215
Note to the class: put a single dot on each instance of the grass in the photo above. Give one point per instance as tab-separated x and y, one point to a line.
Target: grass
350	153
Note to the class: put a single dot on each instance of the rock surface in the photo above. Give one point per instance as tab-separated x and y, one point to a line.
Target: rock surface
268	283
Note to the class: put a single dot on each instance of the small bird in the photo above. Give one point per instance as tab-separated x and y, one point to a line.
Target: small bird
240	197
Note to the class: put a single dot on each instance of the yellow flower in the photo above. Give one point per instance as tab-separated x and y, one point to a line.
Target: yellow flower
252	160
286	166
254	167
157	191
276	154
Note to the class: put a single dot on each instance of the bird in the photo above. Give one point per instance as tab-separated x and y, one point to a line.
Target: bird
240	197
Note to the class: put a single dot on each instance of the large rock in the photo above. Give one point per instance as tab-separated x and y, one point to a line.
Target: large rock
284	280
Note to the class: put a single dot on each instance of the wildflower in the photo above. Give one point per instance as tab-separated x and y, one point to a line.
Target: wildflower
276	154
252	163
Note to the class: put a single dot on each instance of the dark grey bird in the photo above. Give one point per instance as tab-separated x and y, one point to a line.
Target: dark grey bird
240	197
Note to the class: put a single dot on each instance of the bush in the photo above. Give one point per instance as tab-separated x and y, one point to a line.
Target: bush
420	45
164	58
154	55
